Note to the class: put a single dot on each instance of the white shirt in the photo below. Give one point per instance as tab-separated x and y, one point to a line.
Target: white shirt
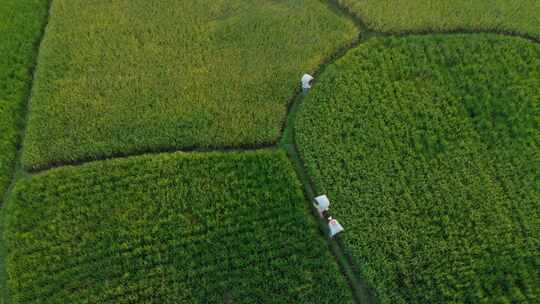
305	81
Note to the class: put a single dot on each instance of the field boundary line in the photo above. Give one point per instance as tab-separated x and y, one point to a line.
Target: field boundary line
79	162
359	19
461	31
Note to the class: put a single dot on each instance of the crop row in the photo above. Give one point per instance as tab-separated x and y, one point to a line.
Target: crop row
399	16
428	147
117	77
172	228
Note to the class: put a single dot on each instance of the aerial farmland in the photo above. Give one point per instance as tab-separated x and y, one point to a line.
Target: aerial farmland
292	151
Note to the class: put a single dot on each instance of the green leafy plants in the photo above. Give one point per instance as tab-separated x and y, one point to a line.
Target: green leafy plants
3	274
20	27
173	228
125	77
398	16
429	148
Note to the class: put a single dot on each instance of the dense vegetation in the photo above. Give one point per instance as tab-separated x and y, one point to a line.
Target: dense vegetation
20	28
21	23
172	228
429	148
516	16
118	77
3	277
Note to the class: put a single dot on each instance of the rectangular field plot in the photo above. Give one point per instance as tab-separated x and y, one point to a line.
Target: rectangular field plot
121	77
173	228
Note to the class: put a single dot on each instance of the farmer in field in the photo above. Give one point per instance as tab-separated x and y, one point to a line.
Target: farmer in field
306	83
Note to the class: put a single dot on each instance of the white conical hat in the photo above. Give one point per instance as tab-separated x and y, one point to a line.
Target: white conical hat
334	227
307	78
322	202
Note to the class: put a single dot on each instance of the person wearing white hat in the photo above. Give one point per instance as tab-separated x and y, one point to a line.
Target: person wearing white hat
306	83
322	204
334	227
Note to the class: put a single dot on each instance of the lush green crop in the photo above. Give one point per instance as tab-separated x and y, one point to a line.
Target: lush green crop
517	16
173	228
429	148
119	77
20	27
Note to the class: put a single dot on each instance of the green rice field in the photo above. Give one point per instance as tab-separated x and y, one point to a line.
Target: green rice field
173	228
20	27
429	147
163	151
125	77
